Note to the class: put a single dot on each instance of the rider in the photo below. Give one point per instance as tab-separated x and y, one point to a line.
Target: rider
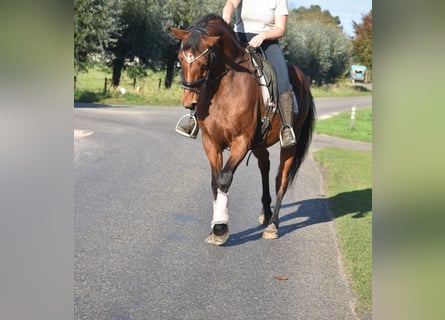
260	23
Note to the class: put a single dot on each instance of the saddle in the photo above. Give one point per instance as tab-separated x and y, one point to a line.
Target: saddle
267	79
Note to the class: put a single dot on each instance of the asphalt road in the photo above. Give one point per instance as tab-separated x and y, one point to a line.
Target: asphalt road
143	210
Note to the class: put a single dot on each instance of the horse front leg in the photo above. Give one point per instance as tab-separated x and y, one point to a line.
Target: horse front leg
222	182
214	155
264	165
220	218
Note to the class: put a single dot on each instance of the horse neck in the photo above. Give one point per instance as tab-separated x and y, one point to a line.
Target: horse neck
229	55
232	49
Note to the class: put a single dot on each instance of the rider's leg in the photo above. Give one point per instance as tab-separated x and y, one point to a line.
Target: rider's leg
286	98
287	137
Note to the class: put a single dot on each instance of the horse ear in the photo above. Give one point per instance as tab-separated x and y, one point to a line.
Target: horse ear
210	41
178	33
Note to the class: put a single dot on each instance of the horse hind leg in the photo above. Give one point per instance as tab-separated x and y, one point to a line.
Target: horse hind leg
287	158
264	165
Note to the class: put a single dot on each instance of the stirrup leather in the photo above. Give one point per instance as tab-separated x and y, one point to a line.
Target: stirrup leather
194	131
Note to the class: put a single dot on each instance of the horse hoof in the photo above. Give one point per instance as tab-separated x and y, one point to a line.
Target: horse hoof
219	235
217	240
271	232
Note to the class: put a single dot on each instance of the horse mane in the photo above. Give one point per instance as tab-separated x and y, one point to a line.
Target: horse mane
206	20
211	24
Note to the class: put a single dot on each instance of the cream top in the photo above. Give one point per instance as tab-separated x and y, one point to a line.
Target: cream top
257	16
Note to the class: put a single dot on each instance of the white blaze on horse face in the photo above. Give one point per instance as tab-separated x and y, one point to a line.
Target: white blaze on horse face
186	69
189	56
187	73
220	209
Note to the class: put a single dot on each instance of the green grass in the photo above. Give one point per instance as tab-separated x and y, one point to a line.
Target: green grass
150	90
343	88
338	126
348	179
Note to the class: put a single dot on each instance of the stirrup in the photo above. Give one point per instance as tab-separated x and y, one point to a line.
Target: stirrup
293	142
179	129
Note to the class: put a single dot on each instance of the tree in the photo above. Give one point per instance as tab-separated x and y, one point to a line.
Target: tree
144	34
141	37
312	14
121	32
362	43
316	43
181	14
95	28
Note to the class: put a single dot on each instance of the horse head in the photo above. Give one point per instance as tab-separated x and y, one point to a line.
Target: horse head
209	46
196	56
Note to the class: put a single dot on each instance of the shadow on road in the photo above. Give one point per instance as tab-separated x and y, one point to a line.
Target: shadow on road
306	213
310	212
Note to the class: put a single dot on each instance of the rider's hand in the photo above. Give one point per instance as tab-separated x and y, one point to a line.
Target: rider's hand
257	40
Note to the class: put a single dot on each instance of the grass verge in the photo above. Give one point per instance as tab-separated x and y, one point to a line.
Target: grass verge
342	88
338	126
92	87
348	179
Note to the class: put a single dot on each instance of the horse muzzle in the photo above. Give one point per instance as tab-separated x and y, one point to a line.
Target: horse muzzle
191	106
190	99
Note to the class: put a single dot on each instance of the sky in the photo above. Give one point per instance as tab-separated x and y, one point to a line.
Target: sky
346	10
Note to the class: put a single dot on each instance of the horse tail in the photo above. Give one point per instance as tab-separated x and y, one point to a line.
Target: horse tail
304	139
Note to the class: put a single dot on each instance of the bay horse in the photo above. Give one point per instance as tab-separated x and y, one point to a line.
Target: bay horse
221	86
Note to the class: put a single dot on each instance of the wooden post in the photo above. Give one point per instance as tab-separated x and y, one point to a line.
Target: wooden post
352	121
75	82
105	85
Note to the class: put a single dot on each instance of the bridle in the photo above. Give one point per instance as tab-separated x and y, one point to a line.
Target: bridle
197	85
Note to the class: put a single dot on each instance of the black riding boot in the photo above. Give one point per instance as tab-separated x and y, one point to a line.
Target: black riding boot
287	135
188	126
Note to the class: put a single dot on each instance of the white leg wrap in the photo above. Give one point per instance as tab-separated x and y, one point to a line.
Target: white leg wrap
220	209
